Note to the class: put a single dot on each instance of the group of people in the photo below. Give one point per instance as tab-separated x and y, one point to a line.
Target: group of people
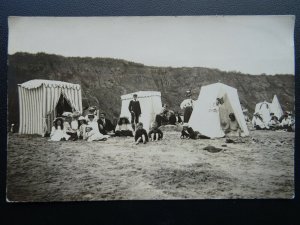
73	126
285	122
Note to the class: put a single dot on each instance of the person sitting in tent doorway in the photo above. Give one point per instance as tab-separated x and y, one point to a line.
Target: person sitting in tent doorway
124	128
155	134
232	127
141	135
187	105
82	125
135	111
105	125
58	133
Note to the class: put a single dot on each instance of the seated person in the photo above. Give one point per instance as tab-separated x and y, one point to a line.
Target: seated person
140	134
175	118
92	110
232	127
90	119
105	125
287	123
92	133
67	127
82	125
58	133
274	123
124	128
155	133
161	118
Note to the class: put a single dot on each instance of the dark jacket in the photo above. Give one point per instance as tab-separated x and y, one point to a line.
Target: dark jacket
108	126
155	131
173	119
189	133
135	107
139	133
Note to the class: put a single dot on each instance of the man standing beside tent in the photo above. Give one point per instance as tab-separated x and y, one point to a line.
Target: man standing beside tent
135	110
187	105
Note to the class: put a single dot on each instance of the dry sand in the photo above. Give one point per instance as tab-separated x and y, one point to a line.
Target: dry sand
39	170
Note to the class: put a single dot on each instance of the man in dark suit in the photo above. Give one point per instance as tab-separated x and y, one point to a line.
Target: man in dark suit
135	110
105	125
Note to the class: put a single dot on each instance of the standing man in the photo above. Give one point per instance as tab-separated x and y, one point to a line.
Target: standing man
187	105
135	110
105	125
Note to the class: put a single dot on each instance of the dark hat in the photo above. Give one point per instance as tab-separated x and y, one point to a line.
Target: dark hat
134	94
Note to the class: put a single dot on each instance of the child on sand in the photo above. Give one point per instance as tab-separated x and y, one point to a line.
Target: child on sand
140	134
58	133
82	125
155	133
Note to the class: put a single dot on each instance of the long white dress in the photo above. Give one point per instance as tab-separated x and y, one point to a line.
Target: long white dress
58	134
94	134
213	117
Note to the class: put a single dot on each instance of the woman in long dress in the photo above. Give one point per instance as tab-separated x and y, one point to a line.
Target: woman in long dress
214	120
92	132
58	132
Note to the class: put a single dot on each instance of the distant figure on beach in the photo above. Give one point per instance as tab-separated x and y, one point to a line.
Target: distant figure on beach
187	105
135	110
141	135
232	127
287	122
58	133
105	125
155	133
124	128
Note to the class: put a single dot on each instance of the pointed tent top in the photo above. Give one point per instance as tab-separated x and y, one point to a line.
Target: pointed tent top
31	84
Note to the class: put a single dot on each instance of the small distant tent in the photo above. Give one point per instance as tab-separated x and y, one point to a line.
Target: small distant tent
276	107
150	102
209	119
41	100
264	110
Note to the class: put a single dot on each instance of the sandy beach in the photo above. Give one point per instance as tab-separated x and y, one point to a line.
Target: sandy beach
117	169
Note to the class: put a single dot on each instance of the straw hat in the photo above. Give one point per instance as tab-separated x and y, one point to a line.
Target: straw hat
185	125
76	114
67	114
81	118
92	108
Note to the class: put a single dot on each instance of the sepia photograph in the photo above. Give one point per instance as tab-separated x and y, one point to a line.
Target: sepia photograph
150	108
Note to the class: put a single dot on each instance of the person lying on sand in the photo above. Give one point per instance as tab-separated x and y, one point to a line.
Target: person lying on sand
140	134
188	133
155	133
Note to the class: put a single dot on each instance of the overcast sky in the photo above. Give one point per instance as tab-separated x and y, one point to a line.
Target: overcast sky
249	44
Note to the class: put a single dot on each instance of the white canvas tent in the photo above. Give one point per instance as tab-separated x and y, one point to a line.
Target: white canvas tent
264	109
38	100
150	102
208	119
276	107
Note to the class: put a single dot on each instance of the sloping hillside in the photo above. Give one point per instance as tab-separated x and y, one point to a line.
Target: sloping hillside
104	80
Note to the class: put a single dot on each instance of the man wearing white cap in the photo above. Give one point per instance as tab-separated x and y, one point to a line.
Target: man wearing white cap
187	105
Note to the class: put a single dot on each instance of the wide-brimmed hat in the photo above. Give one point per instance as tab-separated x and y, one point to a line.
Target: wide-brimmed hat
188	93
92	108
185	125
67	114
76	114
81	118
90	115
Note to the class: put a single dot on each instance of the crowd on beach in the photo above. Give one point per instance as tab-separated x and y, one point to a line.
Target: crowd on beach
91	127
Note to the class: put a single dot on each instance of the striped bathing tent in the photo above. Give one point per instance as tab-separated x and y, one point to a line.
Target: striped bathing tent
38	101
